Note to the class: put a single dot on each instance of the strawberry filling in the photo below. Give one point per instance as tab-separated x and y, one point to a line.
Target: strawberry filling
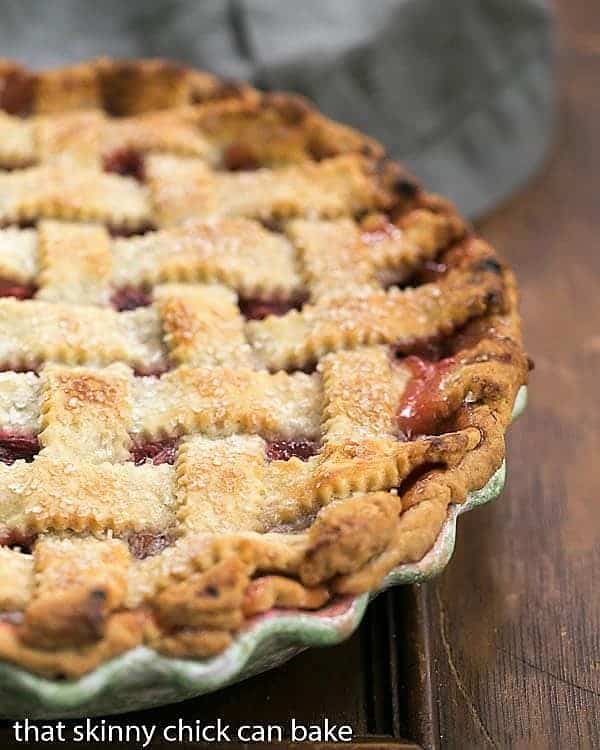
17	539
123	231
423	403
12	618
128	162
130	297
149	372
283	450
144	544
16	447
10	288
157	451
254	308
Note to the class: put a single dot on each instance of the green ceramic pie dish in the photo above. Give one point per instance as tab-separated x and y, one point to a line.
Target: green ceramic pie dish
142	678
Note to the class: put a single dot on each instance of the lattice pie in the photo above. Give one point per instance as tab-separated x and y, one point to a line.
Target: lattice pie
246	362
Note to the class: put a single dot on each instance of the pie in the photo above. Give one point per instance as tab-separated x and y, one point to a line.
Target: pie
247	362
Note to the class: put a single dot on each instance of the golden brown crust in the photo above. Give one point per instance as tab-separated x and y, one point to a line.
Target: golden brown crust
380	271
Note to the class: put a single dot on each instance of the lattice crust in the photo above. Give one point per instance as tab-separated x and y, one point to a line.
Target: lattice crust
121	87
17	148
267	397
75	263
368	316
339	186
340	256
80	194
236	252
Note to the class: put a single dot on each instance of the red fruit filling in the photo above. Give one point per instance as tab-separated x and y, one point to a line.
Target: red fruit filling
116	231
12	618
17	539
128	162
10	288
423	404
283	450
34	368
157	451
144	544
254	308
149	372
130	297
15	447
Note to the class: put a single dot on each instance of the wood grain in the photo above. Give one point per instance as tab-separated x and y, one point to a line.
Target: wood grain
516	616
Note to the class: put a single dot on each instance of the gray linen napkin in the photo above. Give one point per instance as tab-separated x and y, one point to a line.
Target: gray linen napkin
461	90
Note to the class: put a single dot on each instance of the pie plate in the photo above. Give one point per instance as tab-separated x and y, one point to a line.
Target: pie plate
142	679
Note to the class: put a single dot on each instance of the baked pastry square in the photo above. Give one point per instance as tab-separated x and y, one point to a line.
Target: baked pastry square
246	362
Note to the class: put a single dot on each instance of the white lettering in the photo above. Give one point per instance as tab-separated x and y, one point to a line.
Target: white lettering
25	731
148	734
326	732
258	733
78	733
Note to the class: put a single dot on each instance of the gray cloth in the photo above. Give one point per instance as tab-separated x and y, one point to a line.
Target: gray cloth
461	90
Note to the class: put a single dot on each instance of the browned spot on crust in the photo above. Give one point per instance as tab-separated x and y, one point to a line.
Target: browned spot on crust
80	619
346	535
80	390
239	157
16	92
292	108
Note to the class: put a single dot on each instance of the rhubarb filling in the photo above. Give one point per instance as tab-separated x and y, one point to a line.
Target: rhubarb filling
17	540
12	618
9	288
283	450
156	451
254	308
130	298
18	447
144	544
423	403
127	162
122	231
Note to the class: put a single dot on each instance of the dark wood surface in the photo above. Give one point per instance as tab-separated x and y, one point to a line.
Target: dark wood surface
515	619
504	649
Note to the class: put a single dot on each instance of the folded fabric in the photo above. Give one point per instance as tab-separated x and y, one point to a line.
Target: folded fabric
460	90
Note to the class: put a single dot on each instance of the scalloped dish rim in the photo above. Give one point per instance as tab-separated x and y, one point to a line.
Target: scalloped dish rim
141	678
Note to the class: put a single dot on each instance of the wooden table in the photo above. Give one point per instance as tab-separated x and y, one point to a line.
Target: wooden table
504	649
515	619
